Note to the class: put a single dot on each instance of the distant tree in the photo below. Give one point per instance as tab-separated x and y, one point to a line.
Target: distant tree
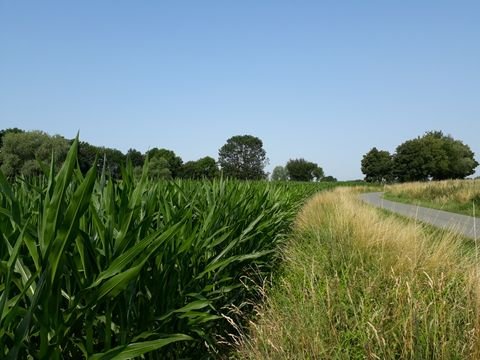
135	157
451	159
174	162
243	157
377	165
87	154
158	169
7	131
433	156
204	168
318	173
303	170
329	179
410	162
21	152
114	159
279	173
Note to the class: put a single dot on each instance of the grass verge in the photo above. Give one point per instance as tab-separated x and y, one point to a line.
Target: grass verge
357	283
458	196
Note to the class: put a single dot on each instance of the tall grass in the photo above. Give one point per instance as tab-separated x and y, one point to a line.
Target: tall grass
451	195
360	284
92	268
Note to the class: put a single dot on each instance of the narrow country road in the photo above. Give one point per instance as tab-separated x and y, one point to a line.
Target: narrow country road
462	224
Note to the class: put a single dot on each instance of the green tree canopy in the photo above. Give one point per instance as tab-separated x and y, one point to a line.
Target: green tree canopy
7	131
86	156
318	173
21	152
433	156
329	178
158	169
114	158
110	159
243	157
204	168
303	170
279	173
377	166
135	157
174	162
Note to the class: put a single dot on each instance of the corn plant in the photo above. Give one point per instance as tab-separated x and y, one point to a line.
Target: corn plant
99	269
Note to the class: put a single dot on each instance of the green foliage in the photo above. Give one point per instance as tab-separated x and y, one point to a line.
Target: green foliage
114	160
433	156
377	165
110	159
174	162
329	178
95	268
135	157
318	173
158	169
410	164
21	152
279	173
303	170
204	168
87	154
243	157
7	131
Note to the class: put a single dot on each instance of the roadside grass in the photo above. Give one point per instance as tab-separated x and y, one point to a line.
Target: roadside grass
467	245
459	196
357	283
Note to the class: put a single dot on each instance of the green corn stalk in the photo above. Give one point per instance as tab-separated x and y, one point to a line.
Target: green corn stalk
102	269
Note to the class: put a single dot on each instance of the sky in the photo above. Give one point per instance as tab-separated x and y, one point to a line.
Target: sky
320	80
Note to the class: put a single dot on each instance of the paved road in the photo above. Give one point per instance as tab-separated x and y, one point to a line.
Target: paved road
459	223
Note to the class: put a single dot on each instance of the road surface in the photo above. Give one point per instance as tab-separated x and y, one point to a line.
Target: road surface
462	224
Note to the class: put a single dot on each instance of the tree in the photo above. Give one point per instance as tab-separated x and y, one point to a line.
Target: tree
21	152
279	173
318	173
329	179
377	165
204	168
110	159
303	170
86	156
135	157
7	131
243	157
158	169
450	158
433	156
114	158
174	162
410	162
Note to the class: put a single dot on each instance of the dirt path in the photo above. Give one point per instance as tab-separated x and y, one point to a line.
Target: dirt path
462	224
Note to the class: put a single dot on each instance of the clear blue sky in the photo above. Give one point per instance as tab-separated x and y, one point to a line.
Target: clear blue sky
323	80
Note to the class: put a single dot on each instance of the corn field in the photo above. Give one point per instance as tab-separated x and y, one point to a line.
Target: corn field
98	269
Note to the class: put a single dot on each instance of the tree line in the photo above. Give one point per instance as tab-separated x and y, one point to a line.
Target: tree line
300	170
433	156
23	152
241	157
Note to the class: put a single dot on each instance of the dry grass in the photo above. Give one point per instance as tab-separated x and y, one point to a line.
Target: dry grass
359	284
451	195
